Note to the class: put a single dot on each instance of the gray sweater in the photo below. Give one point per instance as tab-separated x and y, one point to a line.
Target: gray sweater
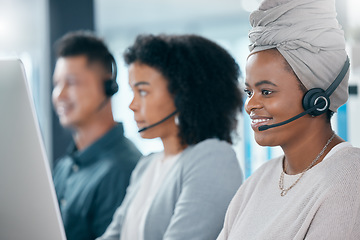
192	202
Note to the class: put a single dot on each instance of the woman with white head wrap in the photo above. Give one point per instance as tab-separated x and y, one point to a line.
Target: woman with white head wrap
313	190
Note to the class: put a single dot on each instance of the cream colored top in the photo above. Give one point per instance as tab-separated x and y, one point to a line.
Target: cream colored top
153	178
324	204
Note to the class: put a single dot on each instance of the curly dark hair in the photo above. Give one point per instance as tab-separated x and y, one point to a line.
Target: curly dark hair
86	43
203	79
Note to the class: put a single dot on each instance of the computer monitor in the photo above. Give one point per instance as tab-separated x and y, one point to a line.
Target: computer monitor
28	205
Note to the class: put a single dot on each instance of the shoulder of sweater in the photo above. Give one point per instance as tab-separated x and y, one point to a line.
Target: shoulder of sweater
143	163
345	161
355	151
348	154
258	177
340	174
208	149
262	173
212	145
268	166
208	155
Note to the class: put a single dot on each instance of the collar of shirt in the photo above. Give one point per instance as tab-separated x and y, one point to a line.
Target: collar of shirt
97	148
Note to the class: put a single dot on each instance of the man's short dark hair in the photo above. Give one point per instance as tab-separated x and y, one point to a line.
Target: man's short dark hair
85	43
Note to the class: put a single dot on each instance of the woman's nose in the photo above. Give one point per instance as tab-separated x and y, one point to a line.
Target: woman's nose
253	102
133	105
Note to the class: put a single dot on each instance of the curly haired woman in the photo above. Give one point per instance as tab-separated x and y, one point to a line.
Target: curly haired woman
185	93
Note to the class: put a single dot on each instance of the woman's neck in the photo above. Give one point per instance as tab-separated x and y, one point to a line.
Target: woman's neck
300	154
172	145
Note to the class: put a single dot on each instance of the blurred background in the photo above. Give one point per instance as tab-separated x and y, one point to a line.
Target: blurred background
29	28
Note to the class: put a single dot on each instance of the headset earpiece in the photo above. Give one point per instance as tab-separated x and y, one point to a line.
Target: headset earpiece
110	85
316	96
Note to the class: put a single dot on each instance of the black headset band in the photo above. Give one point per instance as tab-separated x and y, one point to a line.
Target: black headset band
113	67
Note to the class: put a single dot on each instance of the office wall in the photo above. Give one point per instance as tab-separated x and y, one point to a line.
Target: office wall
65	16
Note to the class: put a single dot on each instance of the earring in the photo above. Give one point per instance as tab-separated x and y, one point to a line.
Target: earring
176	119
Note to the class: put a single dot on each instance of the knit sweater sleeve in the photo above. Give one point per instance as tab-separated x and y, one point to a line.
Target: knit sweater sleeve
210	177
338	216
242	197
230	217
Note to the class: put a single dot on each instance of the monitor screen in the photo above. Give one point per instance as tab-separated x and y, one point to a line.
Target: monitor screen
28	205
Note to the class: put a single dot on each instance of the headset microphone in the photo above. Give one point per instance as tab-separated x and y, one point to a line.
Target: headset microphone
102	104
265	127
316	101
159	122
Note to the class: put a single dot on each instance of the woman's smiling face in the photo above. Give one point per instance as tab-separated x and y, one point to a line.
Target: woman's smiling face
273	95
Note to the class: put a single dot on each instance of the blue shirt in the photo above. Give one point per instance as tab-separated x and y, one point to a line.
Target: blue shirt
90	184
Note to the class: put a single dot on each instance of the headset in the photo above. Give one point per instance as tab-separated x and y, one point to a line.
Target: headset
316	101
159	122
110	85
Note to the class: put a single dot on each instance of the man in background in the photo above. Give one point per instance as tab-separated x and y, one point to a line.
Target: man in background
91	179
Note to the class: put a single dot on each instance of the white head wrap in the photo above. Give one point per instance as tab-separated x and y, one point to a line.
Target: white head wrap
308	36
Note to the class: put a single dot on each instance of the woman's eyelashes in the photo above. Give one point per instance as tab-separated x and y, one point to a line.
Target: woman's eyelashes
248	92
265	92
142	92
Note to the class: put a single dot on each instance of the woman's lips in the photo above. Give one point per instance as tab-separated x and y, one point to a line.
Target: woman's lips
140	124
259	121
